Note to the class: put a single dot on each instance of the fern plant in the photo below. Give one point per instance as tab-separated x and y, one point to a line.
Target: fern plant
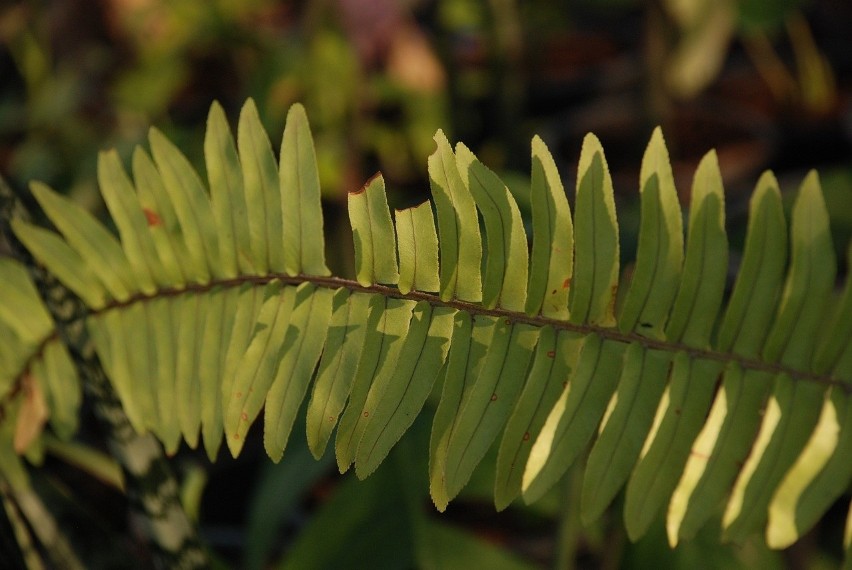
216	303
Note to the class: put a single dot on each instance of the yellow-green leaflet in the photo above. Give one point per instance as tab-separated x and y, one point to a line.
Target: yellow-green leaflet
649	298
211	369
809	281
749	311
575	416
206	401
227	194
12	465
660	252
486	406
373	234
249	304
337	367
595	279
192	315
790	512
471	338
301	347
505	278
821	474
699	295
256	370
108	334
162	219
304	244
693	314
63	392
163	326
555	359
417	241
835	348
219	312
728	433
117	190
65	263
191	206
552	258
793	338
652	482
140	348
22	308
732	424
26	330
823	470
384	339
398	395
97	247
617	448
262	188
14	357
458	226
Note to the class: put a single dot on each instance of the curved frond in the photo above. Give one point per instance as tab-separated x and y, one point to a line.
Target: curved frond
38	379
215	303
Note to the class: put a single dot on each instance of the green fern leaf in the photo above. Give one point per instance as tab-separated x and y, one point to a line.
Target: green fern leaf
337	367
49	388
417	241
215	306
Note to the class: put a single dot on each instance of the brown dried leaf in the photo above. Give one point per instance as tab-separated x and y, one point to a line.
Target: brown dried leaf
32	415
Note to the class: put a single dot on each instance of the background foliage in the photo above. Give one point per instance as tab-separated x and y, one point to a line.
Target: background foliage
378	78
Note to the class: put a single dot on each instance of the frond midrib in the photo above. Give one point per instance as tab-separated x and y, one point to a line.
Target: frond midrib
608	333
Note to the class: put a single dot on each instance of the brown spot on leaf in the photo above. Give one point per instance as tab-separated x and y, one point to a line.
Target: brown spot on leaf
366	414
366	184
244	416
566	283
238	395
236	436
494	397
32	414
551	353
526	436
152	218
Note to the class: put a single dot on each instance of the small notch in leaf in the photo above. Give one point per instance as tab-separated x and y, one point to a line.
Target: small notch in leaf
363	188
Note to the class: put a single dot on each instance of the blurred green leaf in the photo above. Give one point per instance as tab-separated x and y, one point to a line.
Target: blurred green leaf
279	490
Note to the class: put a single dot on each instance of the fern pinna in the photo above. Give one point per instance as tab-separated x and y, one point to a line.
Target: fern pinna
216	303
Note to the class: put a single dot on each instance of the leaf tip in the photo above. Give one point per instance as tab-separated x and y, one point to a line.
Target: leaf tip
297	111
376	178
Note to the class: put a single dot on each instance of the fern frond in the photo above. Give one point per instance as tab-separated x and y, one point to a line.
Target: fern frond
38	380
48	387
214	307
